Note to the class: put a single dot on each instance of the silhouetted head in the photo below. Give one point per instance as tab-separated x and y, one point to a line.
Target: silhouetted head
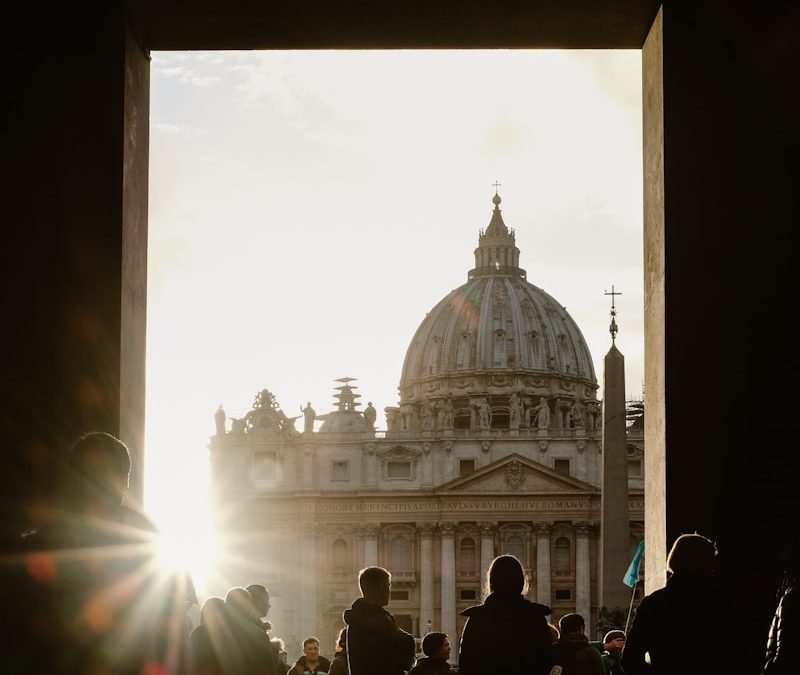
99	466
375	583
615	634
692	554
506	576
436	646
259	595
612	635
341	640
239	604
213	611
571	623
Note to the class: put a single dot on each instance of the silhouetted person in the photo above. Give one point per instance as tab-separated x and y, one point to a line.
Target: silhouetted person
436	647
279	649
249	651
783	642
691	591
207	641
375	644
339	662
613	643
573	652
91	597
259	595
311	663
507	634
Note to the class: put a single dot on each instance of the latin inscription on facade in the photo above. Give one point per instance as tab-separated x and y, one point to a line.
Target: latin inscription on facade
546	504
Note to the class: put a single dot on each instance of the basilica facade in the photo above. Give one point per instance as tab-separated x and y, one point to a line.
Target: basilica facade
495	447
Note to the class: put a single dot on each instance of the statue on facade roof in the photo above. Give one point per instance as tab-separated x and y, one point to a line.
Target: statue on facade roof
309	415
219	420
369	415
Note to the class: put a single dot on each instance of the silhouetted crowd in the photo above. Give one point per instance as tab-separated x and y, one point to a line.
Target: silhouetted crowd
84	595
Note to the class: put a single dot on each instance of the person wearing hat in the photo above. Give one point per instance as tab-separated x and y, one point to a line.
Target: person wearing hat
614	641
436	647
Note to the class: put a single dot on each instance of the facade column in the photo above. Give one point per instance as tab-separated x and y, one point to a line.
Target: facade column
543	563
487	531
426	531
308	466
448	622
583	597
427	465
309	575
370	471
371	531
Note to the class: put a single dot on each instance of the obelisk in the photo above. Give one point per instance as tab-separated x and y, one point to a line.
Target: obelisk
614	516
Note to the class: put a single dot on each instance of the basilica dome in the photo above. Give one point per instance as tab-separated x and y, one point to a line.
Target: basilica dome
497	334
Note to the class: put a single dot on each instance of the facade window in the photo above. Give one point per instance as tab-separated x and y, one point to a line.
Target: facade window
468	594
561	564
466	467
340	555
340	470
516	546
563	594
635	468
398	595
264	467
400	550
467	558
561	466
398	470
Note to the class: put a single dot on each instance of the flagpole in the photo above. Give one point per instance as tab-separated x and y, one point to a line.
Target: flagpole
630	608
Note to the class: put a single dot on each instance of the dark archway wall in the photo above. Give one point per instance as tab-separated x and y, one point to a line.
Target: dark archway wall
729	139
720	271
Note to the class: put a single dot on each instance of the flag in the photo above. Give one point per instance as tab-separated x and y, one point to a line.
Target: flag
631	577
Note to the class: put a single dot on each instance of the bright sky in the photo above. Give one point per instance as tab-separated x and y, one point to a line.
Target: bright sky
307	209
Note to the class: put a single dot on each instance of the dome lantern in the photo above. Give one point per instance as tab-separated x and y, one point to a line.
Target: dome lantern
497	253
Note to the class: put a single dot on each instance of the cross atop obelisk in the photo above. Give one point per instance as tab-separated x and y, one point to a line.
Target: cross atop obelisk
613	328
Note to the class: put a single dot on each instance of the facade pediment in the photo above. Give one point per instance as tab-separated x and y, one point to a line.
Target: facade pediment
399	452
516	474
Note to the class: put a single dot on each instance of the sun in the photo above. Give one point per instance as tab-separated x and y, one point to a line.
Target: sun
187	544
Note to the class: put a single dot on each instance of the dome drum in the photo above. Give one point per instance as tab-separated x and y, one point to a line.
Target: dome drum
495	412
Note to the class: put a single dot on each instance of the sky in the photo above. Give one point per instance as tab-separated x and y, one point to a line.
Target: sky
307	209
